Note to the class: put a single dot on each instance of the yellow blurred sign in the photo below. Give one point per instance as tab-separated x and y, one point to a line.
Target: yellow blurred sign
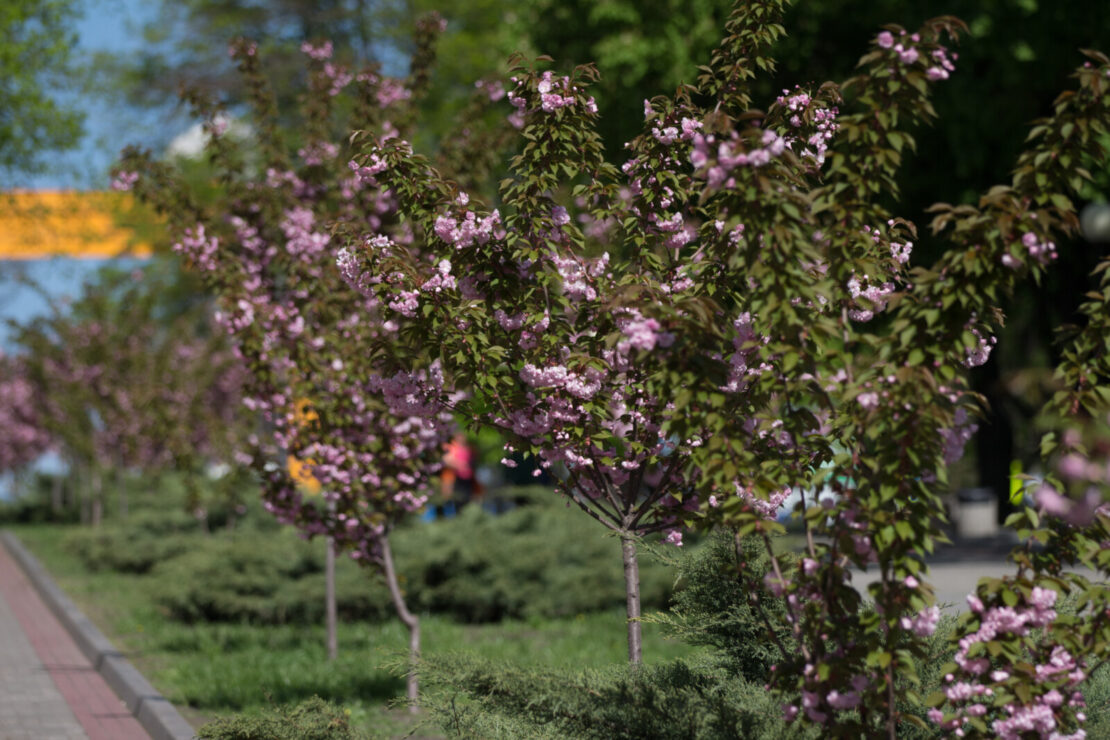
299	470
50	223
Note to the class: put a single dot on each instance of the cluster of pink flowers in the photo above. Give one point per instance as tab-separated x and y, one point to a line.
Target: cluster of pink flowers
812	126
365	172
24	437
939	60
641	333
318	153
731	154
198	247
493	88
766	508
124	180
582	386
745	345
319	53
1092	476
817	701
302	241
1053	669
685	131
924	624
875	293
955	438
555	93
981	352
580	275
337	76
899	251
800	105
470	229
1041	251
391	92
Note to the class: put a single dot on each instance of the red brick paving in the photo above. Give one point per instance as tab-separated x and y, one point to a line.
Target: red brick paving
100	712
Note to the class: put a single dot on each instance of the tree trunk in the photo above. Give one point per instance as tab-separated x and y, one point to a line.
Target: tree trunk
70	499
82	494
632	594
331	612
410	620
56	503
118	482
97	498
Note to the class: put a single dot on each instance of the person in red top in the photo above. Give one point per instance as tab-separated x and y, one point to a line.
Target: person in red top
457	480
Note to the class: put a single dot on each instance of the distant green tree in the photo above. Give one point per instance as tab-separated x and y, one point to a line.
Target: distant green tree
187	45
641	48
36	42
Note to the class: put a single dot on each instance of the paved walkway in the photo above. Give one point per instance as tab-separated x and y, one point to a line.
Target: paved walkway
952	582
48	689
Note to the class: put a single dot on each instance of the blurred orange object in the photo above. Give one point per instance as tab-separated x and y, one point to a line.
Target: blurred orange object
300	470
56	223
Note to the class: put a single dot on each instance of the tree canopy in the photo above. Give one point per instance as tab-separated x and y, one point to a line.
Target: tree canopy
36	52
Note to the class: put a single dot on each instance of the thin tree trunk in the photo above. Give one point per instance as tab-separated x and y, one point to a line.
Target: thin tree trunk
118	481
892	714
56	503
410	620
80	483
632	594
330	610
97	497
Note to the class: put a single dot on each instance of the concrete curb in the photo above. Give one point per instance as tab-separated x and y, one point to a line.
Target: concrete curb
157	716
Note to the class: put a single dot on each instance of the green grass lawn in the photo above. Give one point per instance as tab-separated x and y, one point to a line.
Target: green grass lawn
209	670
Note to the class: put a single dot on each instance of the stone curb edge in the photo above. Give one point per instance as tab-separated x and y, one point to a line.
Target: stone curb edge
157	716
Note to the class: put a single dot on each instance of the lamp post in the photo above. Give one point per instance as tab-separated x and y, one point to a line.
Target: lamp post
1094	221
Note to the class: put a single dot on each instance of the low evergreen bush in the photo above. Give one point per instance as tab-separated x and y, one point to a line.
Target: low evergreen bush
262	578
728	612
537	560
136	544
314	719
681	700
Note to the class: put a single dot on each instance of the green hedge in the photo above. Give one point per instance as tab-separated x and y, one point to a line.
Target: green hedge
314	719
262	578
136	545
537	560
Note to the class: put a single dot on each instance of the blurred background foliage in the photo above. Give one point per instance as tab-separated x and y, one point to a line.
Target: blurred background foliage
37	59
1012	63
